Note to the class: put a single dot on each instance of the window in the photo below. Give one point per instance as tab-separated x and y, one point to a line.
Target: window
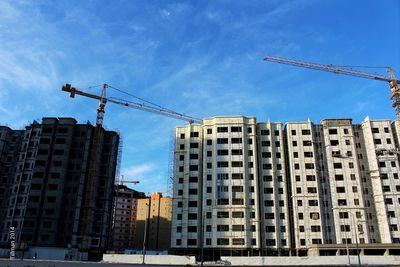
209	131
237	188
237	164
209	142
333	131
264	132
377	141
308	154
222	152
222	129
309	166
305	132
194	145
345	228
269	216
222	141
237	176
193	179
222	164
315	228
310	178
293	132
311	190
222	228
334	142
193	167
266	154
223	241
237	228
375	130
192	204
313	202
342	202
60	140
307	143
192	216
337	165
270	229
192	242
340	189
237	214
236	140
236	129
234	152
268	203
193	191
265	143
267	166
194	134
192	229
222	176
193	156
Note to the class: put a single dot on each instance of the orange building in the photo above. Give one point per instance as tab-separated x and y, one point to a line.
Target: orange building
153	216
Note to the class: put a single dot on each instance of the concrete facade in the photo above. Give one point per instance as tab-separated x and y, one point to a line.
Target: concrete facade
124	218
247	188
48	185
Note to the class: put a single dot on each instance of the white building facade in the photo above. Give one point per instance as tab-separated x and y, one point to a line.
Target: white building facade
248	188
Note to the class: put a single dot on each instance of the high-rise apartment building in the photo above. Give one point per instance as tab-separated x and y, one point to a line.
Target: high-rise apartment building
46	173
124	218
245	188
153	219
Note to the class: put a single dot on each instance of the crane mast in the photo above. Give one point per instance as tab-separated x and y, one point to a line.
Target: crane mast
89	200
393	82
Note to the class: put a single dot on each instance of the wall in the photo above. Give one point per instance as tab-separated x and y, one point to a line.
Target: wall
149	259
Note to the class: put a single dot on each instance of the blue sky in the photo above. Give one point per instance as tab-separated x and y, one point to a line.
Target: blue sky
201	58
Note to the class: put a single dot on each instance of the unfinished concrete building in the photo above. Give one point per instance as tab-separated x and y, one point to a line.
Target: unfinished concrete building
124	218
265	190
48	186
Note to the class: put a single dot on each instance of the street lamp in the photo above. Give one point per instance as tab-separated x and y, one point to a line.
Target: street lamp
356	237
145	232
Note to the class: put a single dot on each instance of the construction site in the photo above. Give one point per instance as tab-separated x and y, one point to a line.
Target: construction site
241	189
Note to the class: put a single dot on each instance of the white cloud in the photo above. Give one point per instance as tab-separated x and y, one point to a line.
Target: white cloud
134	172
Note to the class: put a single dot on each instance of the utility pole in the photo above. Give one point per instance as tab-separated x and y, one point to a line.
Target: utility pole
145	232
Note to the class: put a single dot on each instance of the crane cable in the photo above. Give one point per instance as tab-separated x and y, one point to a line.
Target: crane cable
148	102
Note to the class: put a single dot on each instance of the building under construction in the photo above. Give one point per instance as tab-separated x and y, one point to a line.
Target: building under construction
247	188
57	182
123	230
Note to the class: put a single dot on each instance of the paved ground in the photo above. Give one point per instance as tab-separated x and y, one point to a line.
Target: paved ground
43	263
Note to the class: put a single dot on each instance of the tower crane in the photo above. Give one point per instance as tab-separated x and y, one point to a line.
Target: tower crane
393	82
103	100
89	204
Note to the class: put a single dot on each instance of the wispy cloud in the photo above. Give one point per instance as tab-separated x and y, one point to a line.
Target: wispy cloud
136	171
